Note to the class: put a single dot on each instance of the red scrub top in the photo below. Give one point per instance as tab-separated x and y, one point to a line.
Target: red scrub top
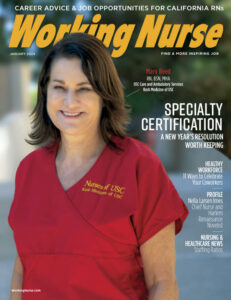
83	243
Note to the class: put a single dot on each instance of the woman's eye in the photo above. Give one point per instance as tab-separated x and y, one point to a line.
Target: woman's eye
57	87
84	89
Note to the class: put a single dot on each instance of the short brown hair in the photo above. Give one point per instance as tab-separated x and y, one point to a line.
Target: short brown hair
99	68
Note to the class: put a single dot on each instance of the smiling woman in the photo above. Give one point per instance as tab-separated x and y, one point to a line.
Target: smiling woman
79	69
94	213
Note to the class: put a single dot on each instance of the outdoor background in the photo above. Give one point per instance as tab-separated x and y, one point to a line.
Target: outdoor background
206	79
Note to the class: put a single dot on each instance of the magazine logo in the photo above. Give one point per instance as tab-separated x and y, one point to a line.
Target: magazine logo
153	33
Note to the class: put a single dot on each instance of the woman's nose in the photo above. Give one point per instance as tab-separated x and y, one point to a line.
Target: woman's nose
70	97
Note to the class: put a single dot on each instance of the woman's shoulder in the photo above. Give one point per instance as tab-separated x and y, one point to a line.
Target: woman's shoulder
138	150
37	156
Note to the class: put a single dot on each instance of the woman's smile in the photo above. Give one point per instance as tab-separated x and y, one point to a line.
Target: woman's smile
71	115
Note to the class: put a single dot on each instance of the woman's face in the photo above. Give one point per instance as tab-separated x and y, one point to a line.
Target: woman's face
72	104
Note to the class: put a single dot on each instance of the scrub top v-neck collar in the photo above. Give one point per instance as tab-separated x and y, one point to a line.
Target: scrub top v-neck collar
78	183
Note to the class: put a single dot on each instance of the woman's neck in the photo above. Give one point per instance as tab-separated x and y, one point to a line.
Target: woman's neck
81	147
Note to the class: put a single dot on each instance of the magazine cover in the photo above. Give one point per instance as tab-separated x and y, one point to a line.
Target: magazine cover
76	235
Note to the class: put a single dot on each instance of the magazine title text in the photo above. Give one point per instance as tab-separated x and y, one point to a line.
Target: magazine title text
154	32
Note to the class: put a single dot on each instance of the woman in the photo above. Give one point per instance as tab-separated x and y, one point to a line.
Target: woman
94	213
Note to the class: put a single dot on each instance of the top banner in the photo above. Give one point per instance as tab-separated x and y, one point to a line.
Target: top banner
156	30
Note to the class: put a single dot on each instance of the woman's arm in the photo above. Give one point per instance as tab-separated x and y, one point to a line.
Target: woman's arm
16	281
159	258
